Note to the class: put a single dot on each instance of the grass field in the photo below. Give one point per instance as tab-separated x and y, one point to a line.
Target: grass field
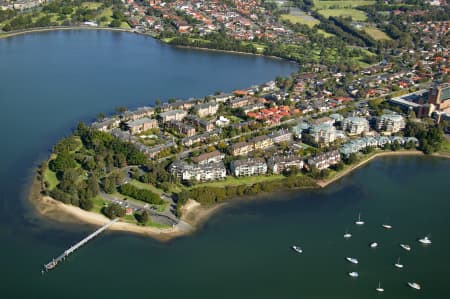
376	33
319	4
356	15
232	181
149	187
51	179
305	20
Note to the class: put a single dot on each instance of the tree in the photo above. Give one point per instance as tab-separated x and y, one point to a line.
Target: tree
86	204
142	217
113	211
101	116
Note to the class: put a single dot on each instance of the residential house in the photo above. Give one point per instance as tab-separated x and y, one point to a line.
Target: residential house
205	172
140	125
323	133
325	160
206	109
278	164
206	158
355	125
173	115
240	149
282	135
181	128
261	142
391	123
248	167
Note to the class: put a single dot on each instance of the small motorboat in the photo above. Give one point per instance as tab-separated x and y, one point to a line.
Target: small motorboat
398	265
359	221
425	240
406	247
386	226
373	245
352	260
379	289
297	249
414	285
353	274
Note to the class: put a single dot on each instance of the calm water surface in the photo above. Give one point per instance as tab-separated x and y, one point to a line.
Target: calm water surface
49	81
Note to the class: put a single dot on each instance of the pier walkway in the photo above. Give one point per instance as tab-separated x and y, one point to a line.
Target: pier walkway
52	264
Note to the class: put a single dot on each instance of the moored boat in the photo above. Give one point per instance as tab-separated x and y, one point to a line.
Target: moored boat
386	226
414	285
359	221
373	245
297	249
353	274
352	260
379	289
425	240
406	247
398	265
347	235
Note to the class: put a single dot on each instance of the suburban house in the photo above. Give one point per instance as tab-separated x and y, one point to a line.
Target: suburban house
278	164
248	167
173	115
206	158
141	125
239	102
325	160
106	124
205	172
206	109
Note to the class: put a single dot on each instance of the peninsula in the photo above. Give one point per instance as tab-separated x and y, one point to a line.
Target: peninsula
370	83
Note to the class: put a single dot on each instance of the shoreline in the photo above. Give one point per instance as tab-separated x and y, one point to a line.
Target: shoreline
80	27
325	183
194	215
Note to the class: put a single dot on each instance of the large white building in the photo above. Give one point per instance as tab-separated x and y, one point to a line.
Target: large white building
248	167
355	125
280	163
323	133
205	172
391	123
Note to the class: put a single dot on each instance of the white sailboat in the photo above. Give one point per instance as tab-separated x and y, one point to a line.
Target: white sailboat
359	221
379	289
398	265
353	274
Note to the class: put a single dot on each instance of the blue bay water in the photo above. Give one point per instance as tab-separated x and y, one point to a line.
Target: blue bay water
50	81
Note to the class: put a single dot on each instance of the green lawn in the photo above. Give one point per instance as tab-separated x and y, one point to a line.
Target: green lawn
91	5
320	4
51	179
230	181
146	186
446	147
324	33
356	15
305	20
376	33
